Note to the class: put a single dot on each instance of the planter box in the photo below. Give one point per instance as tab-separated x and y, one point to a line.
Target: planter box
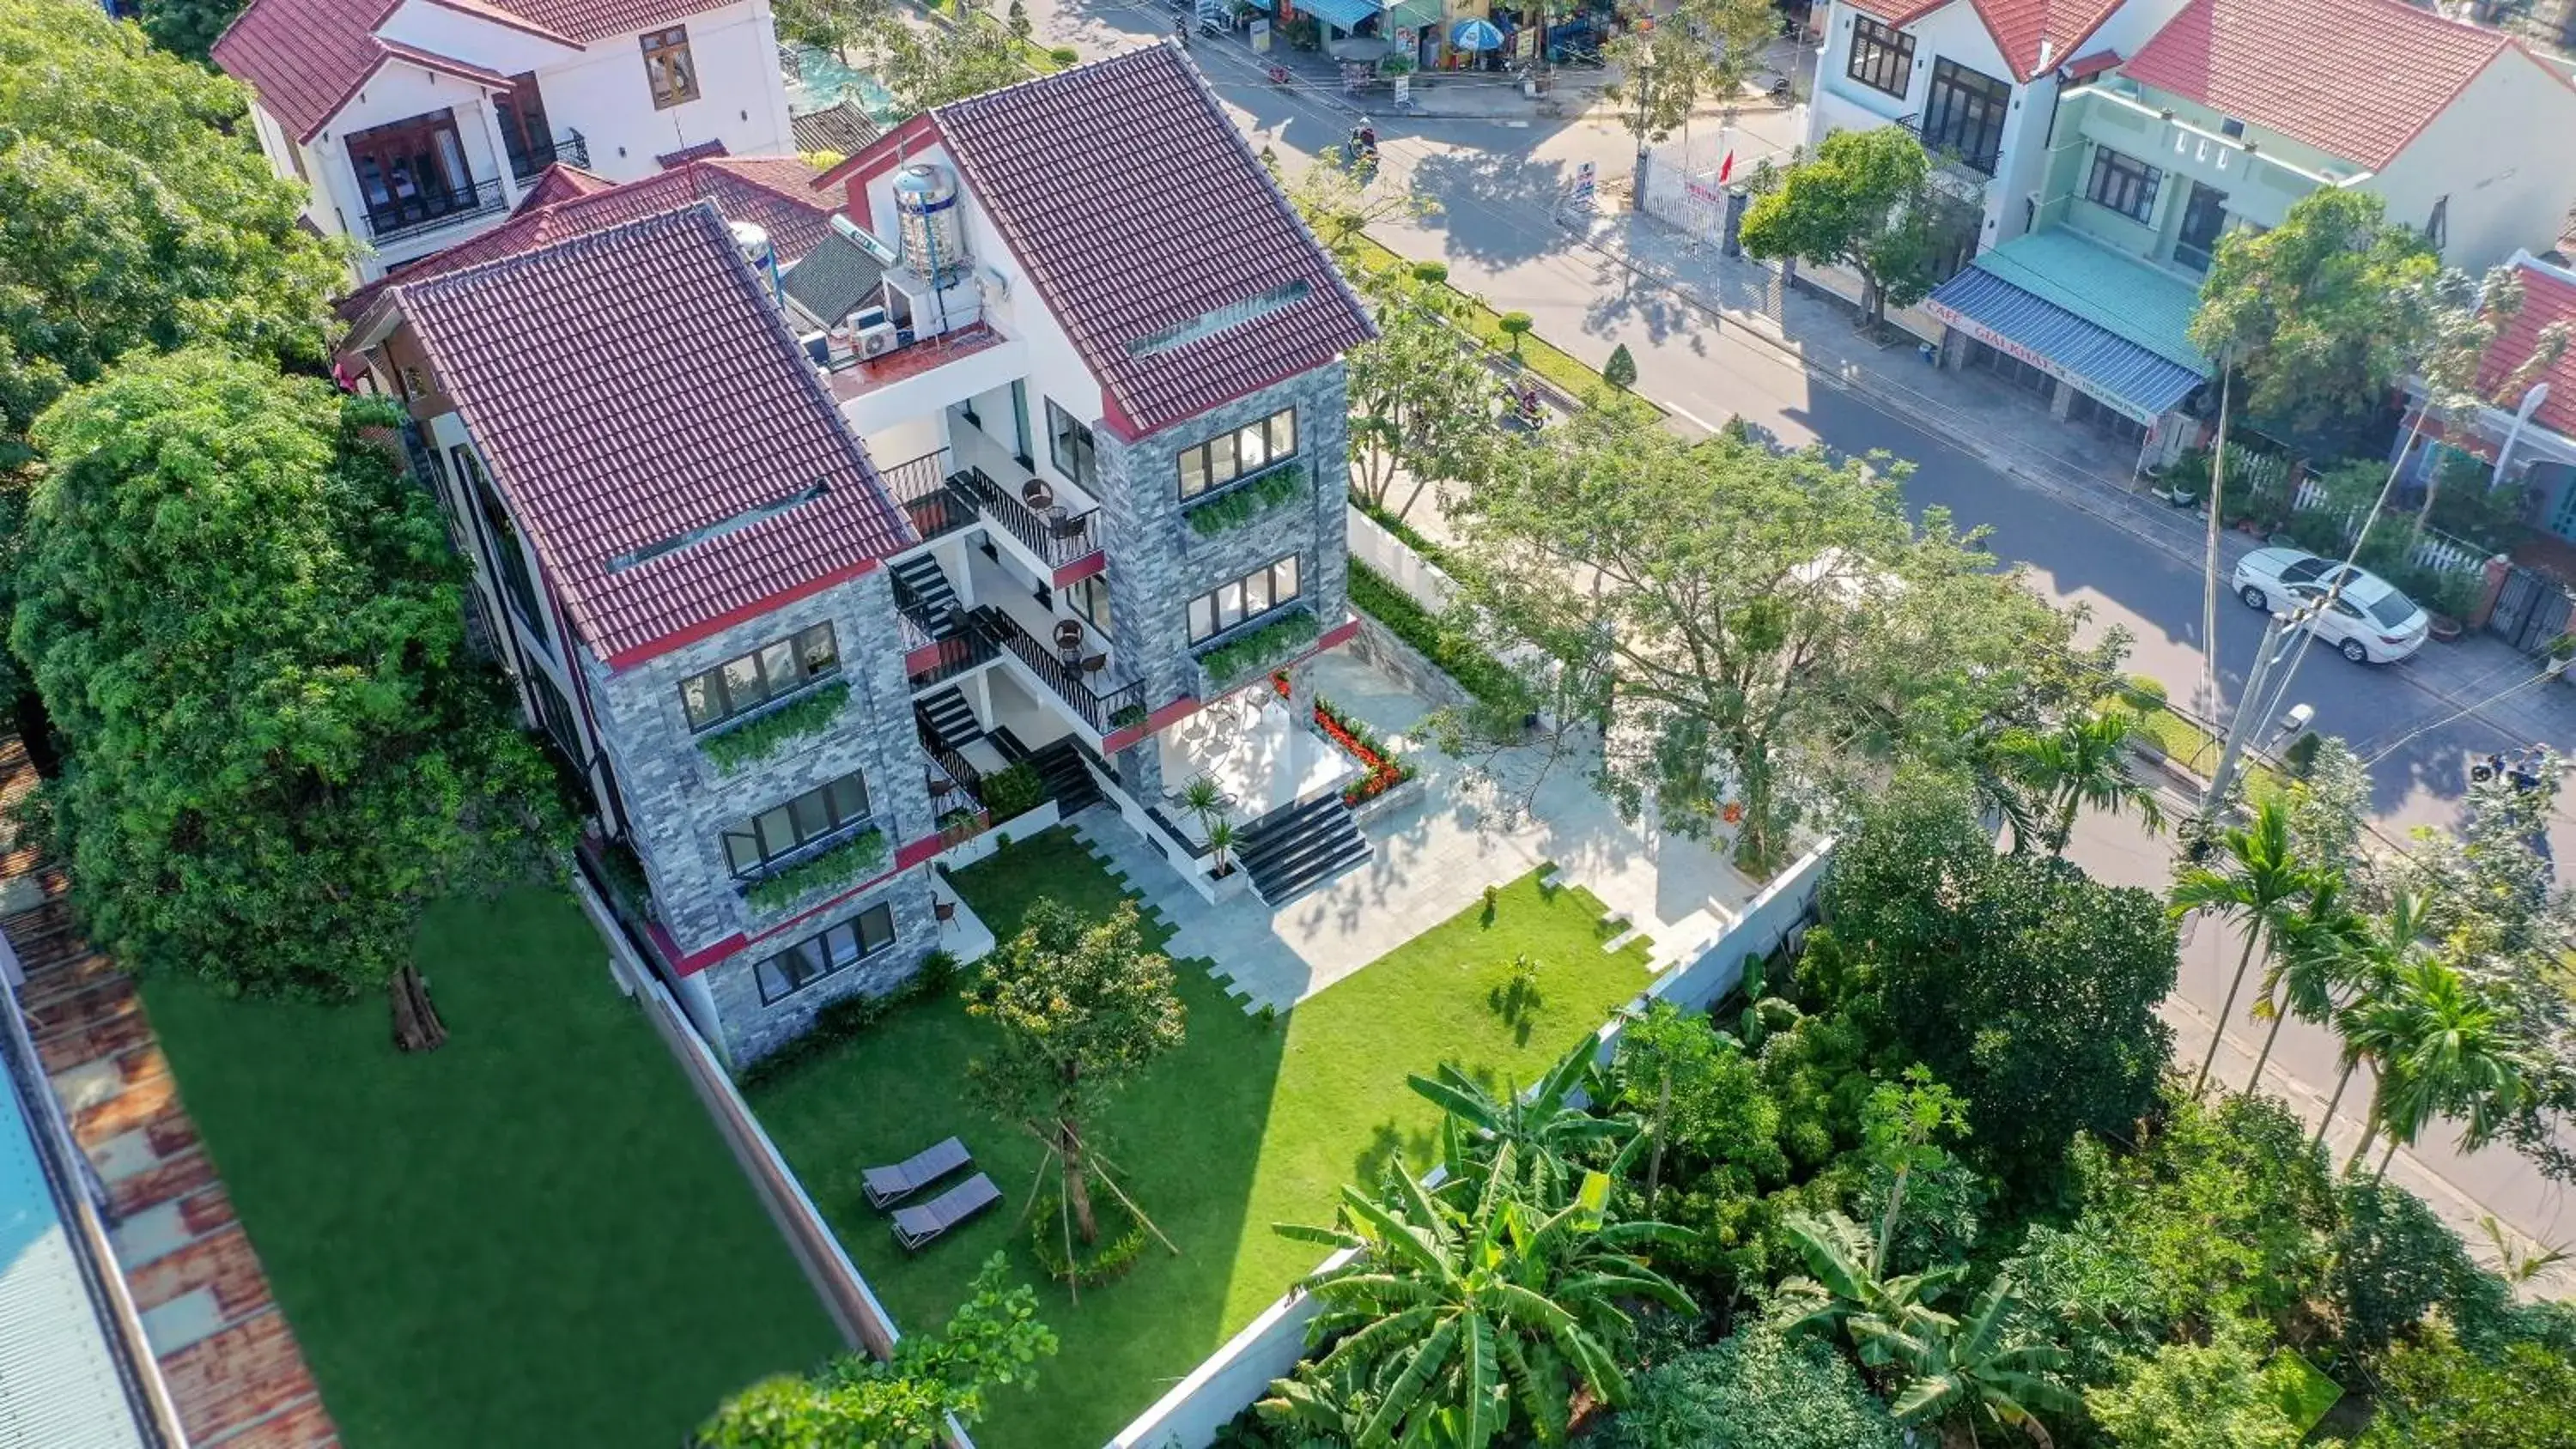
1394	799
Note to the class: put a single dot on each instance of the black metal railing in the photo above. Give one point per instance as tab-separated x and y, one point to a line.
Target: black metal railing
921	488
570	148
1058	541
958	653
1945	147
1100	711
413	215
2195	258
952	764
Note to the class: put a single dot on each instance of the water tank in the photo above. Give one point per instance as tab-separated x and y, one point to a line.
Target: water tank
932	231
754	244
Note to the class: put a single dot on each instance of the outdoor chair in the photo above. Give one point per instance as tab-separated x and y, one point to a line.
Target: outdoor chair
917	1227
886	1186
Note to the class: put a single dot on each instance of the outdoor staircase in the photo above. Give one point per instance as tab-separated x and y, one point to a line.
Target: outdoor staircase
1060	768
921	589
947	718
1302	849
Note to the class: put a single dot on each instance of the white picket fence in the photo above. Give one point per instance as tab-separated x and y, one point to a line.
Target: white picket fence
2434	550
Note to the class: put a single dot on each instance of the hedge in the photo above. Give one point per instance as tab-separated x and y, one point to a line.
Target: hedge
1477	672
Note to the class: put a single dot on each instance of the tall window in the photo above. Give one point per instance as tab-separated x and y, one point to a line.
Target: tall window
2204	221
1964	114
781	666
1271	586
1882	56
1069	444
1228	456
508	556
2125	184
555	713
1090	598
668	69
773	835
825	952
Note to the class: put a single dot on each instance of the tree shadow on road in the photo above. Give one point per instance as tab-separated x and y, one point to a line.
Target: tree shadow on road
1498	209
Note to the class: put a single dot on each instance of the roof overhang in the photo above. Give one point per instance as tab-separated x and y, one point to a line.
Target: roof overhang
393	52
2134	380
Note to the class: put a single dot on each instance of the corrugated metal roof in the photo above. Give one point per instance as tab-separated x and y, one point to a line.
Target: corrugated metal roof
2148	384
59	1384
1344	13
2115	291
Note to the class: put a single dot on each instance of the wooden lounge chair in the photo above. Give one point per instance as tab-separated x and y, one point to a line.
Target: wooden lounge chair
887	1186
917	1227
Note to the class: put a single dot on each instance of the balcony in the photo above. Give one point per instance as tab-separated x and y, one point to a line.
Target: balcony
934	503
412	216
1056	535
1100	709
570	149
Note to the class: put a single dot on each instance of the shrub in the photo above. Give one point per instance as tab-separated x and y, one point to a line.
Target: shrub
1477	672
1064	55
1263	648
1122	1241
1013	792
1246	502
852	859
1515	325
2393	1261
2145	691
1621	370
759	738
845	1020
1755	1390
2438	1395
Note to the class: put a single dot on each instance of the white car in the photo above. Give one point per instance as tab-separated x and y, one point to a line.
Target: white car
2369	621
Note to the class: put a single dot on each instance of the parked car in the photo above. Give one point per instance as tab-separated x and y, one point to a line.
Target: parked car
2369	621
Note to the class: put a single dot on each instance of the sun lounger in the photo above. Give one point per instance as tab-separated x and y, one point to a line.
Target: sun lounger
917	1227
887	1186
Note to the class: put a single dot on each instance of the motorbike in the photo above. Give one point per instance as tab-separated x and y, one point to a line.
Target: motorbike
2522	767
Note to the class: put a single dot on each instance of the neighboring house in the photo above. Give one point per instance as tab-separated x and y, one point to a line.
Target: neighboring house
418	122
798	527
2525	433
2225	117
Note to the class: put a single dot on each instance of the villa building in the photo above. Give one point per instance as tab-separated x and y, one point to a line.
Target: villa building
417	123
1015	443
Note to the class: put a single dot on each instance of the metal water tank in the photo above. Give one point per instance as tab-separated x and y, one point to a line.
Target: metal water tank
932	230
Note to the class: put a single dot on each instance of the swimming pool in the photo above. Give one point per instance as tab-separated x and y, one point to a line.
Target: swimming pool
824	79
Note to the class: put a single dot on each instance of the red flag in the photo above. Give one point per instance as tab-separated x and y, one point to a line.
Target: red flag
1725	168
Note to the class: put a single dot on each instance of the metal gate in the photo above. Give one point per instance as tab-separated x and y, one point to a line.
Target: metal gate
2531	610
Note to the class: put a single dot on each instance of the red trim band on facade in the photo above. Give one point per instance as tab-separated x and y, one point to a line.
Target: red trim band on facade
905	858
1082	568
656	648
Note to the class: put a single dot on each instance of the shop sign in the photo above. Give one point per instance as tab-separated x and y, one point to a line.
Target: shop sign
2012	349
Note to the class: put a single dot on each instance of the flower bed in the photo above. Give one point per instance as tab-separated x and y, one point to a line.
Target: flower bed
1384	769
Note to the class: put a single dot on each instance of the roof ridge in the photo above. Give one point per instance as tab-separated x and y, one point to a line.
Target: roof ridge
1095	63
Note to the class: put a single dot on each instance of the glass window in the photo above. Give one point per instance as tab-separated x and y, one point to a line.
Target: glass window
1090	598
1283	433
2125	184
1193	472
502	534
1271	586
1231	455
746	682
825	952
1963	115
1069	445
782	830
668	68
1882	57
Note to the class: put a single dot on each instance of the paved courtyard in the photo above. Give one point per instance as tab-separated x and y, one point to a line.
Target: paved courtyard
1466	829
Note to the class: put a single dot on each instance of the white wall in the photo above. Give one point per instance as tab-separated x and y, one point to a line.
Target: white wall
2504	152
742	99
1958	34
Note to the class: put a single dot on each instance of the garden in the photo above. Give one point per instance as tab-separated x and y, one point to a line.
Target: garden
1228	1123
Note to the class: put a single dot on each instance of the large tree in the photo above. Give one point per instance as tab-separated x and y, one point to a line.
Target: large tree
1751	626
940	61
1082	1006
993	1339
1863	201
1702	48
188	27
1423	401
250	629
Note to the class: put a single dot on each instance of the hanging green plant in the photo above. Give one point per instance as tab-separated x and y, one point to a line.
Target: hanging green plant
853	859
758	739
1249	501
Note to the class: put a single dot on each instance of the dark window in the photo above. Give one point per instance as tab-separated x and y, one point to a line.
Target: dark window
825	952
673	76
2437	227
2204	220
1882	57
1069	444
2011	369
781	666
507	552
1272	586
526	138
2125	184
411	171
1228	456
554	712
774	834
1964	115
2103	418
2232	128
1090	598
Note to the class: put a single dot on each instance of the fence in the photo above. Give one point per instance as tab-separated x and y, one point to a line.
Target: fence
2433	548
1236	1376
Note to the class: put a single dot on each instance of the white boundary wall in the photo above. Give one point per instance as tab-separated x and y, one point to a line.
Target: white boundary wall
1239	1374
1392	557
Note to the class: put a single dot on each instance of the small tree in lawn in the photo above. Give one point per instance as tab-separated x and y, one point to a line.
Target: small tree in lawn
1082	1007
1621	369
1516	325
1862	201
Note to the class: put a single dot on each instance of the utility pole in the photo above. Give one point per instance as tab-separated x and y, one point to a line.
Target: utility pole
2282	633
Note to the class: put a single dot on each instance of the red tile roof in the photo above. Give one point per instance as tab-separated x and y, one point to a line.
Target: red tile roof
560	182
2353	78
2548	298
1137	207
2018	26
632	388
686	154
774	193
305	58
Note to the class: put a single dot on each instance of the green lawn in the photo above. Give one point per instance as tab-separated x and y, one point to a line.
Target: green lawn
1242	1126
532	1236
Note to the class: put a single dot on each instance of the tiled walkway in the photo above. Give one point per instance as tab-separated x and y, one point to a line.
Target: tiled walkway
231	1363
1433	858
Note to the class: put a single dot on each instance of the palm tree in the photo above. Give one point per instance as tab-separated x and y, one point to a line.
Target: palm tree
2260	883
2440	1047
1549	1134
1973	1367
1462	1307
2375	954
1846	1292
2081	762
2312	960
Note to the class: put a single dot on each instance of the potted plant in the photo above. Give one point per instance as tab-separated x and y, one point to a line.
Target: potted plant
1204	798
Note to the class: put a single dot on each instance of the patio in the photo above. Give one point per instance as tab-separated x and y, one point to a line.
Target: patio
1257	756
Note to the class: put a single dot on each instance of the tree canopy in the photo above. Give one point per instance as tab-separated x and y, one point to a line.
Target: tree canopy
1863	201
188	27
250	629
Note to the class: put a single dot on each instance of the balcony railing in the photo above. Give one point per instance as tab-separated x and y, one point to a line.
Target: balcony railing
923	490
2192	258
1102	712
1057	541
1945	150
570	148
413	215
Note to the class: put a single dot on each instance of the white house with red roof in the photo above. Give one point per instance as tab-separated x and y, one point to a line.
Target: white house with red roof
2524	433
417	123
1017	447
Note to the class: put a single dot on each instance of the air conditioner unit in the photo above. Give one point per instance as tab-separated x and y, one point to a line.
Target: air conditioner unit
877	341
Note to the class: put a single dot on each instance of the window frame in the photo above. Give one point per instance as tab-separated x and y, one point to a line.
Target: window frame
855	931
837	826
1065	432
1887	46
1245	617
517	583
1964	103
1269	428
670	69
1088	596
718	685
2117	174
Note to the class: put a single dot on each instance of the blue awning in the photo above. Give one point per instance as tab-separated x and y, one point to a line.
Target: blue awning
1341	14
2142	384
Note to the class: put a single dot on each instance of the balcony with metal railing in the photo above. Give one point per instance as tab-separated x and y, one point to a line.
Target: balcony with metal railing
569	149
410	216
1101	707
931	502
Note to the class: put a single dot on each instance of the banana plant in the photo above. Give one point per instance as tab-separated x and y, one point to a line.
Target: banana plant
1973	1367
1550	1132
